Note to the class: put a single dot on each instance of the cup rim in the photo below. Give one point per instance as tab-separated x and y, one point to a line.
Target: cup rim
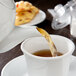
47	58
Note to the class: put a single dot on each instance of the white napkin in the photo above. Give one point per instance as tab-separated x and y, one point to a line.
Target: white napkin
16	37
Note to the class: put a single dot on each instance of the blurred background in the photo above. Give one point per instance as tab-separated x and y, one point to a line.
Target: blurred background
51	3
45	4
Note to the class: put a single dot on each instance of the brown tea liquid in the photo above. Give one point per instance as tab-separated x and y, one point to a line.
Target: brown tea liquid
45	53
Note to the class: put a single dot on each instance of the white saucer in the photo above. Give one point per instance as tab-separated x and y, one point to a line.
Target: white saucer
40	17
17	67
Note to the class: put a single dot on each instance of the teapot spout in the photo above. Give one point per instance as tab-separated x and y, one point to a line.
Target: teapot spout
8	3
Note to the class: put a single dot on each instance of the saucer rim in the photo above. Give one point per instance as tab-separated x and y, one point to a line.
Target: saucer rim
22	56
19	57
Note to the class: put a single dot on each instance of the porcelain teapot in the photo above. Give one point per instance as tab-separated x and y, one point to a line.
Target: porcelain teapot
7	17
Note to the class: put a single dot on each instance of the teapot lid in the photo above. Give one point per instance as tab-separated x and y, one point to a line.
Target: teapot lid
8	3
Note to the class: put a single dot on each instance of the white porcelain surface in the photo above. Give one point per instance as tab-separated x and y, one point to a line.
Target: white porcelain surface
8	3
7	18
52	66
16	37
18	67
9	38
40	17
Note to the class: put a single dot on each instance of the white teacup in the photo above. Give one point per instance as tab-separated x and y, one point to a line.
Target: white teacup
48	66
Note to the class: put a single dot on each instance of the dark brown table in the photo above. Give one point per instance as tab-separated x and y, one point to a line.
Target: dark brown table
43	5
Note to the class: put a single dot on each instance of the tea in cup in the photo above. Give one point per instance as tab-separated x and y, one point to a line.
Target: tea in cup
48	66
